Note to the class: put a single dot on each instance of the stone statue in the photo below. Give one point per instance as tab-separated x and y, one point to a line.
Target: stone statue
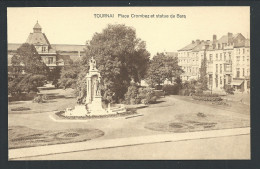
98	90
92	64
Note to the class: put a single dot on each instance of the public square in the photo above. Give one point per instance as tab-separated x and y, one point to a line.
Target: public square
168	109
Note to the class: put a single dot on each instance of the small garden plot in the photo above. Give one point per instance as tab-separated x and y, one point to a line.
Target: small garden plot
206	97
199	122
20	109
61	115
20	136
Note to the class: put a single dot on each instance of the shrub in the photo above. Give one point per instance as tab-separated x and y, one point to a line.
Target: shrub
158	87
40	98
136	95
221	103
206	97
199	91
171	89
20	109
185	92
228	89
159	93
201	114
131	94
148	94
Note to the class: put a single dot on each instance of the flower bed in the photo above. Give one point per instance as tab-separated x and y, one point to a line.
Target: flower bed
61	115
206	97
20	109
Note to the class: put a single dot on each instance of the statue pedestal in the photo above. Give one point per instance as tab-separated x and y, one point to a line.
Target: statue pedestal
79	110
95	108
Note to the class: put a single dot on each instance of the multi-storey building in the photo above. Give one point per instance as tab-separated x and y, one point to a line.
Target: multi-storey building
228	61
55	55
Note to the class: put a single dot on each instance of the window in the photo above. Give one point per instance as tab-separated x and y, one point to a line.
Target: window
43	49
50	60
220	68
220	80
229	56
238	58
247	72
216	67
210	57
220	56
238	72
243	51
216	80
243	71
216	56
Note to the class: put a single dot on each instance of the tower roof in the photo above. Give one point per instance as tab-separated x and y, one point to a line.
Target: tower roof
37	26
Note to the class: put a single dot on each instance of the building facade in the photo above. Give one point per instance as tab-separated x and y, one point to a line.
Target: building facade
53	55
228	61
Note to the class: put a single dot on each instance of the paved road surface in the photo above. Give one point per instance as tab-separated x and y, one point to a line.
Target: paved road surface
231	147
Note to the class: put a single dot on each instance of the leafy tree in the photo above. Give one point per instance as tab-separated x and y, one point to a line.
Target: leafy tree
203	74
35	70
121	58
69	75
162	67
32	62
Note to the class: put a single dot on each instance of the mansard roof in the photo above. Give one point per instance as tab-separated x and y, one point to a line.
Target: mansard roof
68	47
189	47
37	39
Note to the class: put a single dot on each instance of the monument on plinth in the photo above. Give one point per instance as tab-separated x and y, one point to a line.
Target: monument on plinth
93	104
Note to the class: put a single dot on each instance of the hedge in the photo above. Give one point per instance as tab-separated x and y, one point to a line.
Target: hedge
206	97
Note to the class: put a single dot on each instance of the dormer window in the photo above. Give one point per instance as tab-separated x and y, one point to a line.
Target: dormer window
44	49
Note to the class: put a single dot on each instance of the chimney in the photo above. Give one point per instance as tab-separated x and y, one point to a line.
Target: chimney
214	38
193	42
197	41
230	35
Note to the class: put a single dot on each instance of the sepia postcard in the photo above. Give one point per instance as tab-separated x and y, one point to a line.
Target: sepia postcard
129	83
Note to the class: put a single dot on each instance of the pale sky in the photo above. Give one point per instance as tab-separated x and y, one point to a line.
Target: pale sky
76	25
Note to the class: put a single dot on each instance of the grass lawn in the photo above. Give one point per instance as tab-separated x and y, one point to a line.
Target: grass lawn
59	99
21	136
197	121
234	106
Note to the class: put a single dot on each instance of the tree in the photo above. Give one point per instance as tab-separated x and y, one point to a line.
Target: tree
121	58
69	75
35	71
162	67
32	62
203	73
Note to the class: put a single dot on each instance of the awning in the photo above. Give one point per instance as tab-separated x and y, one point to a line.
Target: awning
237	82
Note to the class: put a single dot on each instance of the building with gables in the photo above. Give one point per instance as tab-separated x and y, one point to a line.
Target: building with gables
228	61
53	55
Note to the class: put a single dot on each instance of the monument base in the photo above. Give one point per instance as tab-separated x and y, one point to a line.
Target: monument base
79	110
94	109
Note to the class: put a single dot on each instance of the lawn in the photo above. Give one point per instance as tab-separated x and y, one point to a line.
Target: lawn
198	121
59	100
21	136
230	105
